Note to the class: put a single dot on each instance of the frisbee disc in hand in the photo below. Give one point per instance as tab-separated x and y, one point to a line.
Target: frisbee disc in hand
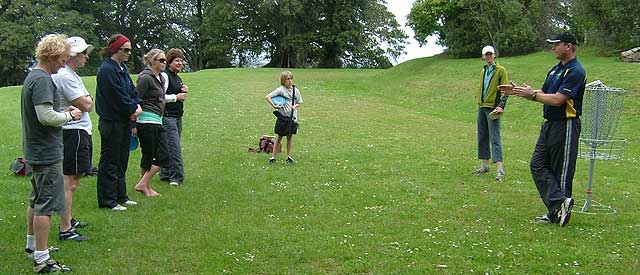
279	100
505	88
493	115
133	145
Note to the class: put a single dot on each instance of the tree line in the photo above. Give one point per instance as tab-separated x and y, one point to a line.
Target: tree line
306	33
212	33
522	26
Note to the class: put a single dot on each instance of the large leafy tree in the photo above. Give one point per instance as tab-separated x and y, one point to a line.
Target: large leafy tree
24	22
352	32
293	33
464	26
150	24
143	21
609	24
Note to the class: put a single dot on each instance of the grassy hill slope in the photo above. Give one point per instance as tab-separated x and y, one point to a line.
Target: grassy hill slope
382	185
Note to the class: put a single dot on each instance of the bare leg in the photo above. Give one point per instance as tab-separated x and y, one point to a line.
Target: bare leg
70	185
276	145
289	145
144	185
30	217
140	187
41	225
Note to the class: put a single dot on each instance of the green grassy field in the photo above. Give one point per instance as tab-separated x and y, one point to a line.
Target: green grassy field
382	183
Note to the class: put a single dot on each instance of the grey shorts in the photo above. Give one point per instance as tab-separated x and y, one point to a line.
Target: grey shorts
47	194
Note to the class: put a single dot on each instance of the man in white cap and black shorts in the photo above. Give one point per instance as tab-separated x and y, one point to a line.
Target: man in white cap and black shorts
78	147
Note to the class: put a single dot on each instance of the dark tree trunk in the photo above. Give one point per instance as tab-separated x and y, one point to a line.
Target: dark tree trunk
284	58
330	59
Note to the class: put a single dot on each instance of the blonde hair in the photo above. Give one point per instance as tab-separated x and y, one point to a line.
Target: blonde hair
284	75
51	47
148	58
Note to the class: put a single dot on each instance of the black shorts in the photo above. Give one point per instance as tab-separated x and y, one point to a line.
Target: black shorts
153	145
78	151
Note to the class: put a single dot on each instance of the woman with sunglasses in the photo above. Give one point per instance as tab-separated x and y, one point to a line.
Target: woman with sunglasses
153	140
117	105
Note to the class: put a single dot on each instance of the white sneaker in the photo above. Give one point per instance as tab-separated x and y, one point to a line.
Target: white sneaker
130	203
565	211
173	183
119	208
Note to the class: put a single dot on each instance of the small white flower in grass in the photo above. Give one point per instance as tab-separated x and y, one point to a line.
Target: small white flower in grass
248	257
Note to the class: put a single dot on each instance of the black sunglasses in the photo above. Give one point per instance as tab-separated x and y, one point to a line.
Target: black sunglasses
162	60
126	50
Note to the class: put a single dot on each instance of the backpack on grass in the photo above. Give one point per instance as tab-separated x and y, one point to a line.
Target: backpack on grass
266	144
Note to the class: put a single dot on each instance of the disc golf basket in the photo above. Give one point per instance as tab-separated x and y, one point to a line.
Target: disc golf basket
602	109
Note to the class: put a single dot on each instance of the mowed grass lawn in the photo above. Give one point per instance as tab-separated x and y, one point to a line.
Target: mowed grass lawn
382	183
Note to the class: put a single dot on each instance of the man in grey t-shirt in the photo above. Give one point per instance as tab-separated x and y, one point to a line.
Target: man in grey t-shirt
42	146
78	147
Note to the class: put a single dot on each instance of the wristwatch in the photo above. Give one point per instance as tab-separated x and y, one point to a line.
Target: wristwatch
533	96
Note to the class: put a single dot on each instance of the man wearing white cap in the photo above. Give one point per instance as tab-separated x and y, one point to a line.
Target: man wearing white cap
491	104
78	146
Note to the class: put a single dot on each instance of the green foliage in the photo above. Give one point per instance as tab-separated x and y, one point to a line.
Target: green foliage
466	26
24	22
608	24
294	33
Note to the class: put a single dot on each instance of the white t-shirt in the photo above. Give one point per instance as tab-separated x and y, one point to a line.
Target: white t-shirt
71	87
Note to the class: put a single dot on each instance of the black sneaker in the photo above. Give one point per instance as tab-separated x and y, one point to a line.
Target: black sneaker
543	219
481	170
28	253
290	160
93	172
565	211
72	235
272	160
78	224
50	265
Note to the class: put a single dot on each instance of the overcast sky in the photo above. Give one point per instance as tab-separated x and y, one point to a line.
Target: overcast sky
401	9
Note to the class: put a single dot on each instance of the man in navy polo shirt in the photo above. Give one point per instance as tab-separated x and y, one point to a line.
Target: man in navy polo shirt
554	158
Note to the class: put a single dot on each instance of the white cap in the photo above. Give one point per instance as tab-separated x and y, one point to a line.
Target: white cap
78	45
488	49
